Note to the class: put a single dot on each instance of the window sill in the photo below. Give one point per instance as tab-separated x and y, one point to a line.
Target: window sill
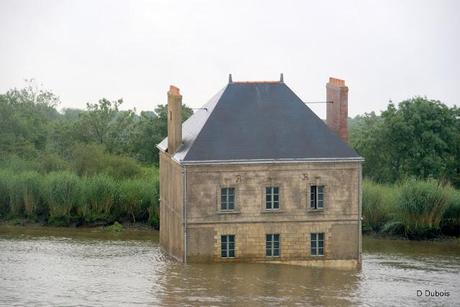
315	210
229	212
272	211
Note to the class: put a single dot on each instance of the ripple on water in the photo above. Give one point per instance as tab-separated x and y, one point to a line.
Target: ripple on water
53	270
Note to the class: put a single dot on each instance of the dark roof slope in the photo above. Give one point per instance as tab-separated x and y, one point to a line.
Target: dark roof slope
260	121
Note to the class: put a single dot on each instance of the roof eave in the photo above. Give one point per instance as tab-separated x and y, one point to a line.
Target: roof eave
271	161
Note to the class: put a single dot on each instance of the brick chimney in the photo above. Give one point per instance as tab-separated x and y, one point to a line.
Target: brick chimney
337	111
174	119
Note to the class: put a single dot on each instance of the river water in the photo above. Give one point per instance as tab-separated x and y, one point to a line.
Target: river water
74	267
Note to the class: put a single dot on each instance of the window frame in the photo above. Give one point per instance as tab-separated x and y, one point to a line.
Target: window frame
317	249
272	200
273	245
314	193
227	246
227	196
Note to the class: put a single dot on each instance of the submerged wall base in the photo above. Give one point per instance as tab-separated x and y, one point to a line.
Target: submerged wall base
336	264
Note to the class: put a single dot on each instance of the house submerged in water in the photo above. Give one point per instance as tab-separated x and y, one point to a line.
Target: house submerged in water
255	175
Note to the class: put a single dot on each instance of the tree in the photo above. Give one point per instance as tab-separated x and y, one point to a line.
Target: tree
419	138
150	130
96	122
25	115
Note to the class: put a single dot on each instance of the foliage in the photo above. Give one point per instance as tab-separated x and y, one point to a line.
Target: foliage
415	209
451	219
5	176
25	115
101	194
63	193
115	227
378	205
420	207
137	196
91	159
419	138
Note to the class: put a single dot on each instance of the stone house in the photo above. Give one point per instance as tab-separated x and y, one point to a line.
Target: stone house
255	175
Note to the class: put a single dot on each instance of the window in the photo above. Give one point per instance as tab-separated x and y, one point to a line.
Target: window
227	246
227	199
317	244
317	197
272	198
272	245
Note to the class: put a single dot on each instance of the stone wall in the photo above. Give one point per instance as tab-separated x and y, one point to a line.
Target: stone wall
249	222
171	208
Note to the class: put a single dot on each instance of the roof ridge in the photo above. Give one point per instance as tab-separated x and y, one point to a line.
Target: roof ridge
249	82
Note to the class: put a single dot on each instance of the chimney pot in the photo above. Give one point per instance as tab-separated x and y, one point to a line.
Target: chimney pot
174	90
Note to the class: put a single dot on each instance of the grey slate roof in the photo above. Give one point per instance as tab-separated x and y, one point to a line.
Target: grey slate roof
258	121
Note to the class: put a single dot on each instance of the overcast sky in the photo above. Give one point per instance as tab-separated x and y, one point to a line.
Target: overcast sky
86	50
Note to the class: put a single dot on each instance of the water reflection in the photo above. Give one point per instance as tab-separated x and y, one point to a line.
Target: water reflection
254	284
46	267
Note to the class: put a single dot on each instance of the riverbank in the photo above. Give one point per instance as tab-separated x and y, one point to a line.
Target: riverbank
389	237
129	230
126	231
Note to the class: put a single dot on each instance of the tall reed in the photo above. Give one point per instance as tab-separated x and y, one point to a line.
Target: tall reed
101	193
137	196
451	218
4	193
420	208
378	205
64	192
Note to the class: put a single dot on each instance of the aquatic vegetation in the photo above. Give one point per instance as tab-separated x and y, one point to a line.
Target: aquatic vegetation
378	205
101	193
63	193
63	198
115	227
415	209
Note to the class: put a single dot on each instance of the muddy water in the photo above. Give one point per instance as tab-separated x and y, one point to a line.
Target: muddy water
43	267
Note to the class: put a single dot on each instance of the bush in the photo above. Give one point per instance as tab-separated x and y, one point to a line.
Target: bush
64	192
91	159
420	208
101	193
51	162
378	204
18	165
121	167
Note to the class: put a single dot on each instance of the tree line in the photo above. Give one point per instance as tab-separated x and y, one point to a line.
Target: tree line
99	165
418	138
412	163
92	166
